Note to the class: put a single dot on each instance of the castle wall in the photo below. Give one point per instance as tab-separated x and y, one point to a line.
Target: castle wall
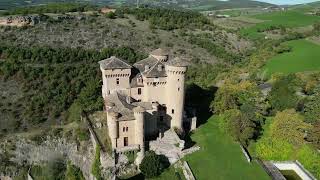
114	80
130	133
135	94
154	90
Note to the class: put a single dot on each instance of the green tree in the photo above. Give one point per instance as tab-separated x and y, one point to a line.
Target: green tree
238	125
312	109
283	94
90	97
151	165
289	126
314	135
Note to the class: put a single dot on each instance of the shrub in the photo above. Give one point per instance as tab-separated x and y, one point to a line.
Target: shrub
152	165
96	166
73	173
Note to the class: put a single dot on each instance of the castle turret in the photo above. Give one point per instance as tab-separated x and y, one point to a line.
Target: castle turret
139	116
160	54
175	90
113	127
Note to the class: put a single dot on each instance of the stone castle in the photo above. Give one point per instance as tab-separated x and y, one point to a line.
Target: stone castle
144	99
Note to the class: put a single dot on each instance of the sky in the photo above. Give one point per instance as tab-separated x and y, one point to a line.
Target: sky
287	2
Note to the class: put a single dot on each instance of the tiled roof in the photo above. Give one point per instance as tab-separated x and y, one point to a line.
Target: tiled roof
124	109
150	61
159	52
154	71
179	62
114	63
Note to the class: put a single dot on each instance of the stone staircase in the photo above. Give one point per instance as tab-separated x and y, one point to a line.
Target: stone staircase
168	144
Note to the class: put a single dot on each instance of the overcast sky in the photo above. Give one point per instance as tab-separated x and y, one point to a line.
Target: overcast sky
285	2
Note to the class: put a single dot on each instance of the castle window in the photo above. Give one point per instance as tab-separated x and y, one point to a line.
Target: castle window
178	89
123	129
139	91
178	79
118	81
127	129
172	111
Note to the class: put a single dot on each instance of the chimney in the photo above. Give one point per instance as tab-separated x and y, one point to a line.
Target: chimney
128	99
146	67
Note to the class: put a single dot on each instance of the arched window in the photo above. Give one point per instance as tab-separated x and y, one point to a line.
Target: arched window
123	129
127	129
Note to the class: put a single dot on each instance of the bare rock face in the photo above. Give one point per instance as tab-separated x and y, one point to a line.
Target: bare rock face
32	153
19	21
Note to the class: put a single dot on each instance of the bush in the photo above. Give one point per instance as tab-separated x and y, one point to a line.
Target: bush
73	173
96	166
152	164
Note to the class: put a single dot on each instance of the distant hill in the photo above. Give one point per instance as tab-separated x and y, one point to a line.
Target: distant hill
190	4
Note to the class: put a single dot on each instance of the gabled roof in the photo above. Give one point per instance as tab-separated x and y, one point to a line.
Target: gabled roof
114	63
159	52
150	61
155	72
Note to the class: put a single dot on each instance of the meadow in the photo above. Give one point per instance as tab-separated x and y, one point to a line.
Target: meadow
220	157
304	56
287	19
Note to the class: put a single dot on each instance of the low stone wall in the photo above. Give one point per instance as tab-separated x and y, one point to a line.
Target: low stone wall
187	171
246	154
295	166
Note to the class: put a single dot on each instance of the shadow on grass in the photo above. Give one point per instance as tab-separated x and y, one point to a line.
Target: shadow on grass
200	99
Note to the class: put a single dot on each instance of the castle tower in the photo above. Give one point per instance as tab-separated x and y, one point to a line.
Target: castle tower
115	75
175	91
160	54
139	116
113	127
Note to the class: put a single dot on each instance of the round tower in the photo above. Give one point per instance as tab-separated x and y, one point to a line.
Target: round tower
160	54
113	127
175	90
139	116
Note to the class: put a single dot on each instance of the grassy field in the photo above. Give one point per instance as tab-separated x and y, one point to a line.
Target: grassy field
220	158
305	56
289	19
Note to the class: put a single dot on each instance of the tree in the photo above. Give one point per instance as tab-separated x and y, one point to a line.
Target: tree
238	125
289	126
233	96
90	97
283	94
316	26
111	15
152	165
312	109
314	135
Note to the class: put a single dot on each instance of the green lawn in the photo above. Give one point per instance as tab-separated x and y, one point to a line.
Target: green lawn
291	18
220	158
305	56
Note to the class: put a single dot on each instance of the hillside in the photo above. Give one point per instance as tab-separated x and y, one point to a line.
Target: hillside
197	5
253	79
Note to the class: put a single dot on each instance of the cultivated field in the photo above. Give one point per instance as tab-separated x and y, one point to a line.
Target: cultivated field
287	19
305	56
